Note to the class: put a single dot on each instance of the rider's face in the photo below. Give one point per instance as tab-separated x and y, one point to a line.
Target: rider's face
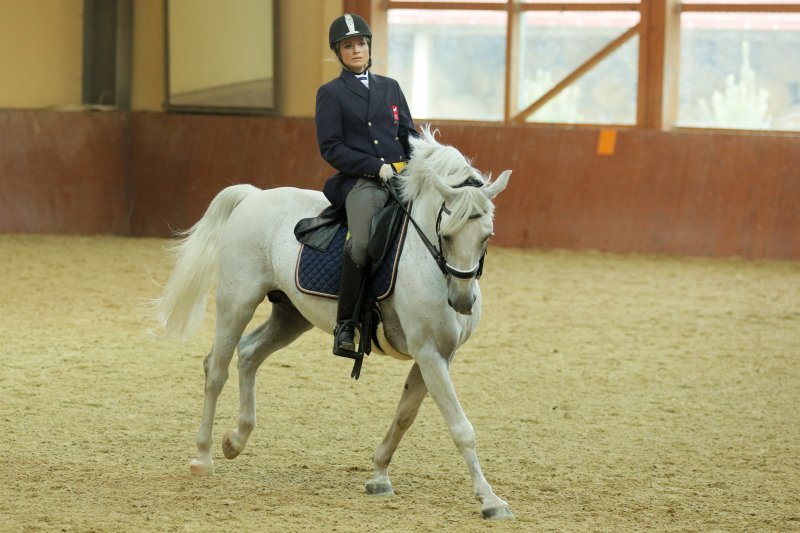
355	53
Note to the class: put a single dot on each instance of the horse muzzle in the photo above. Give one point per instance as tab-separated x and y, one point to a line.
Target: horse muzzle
461	294
462	306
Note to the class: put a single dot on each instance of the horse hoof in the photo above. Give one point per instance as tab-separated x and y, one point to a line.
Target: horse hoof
501	512
201	468
379	488
230	447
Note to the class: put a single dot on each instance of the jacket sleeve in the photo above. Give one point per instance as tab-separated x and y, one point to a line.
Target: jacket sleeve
330	139
406	126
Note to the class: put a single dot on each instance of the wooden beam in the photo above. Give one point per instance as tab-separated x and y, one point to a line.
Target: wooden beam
741	8
511	99
655	88
671	64
648	70
461	6
496	6
359	7
541	6
575	74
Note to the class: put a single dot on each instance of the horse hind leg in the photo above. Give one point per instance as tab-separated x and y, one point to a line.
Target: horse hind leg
233	314
414	392
284	325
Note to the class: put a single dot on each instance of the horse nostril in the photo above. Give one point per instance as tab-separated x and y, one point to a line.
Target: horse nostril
462	310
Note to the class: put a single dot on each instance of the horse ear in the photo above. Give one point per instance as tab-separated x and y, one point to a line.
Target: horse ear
497	186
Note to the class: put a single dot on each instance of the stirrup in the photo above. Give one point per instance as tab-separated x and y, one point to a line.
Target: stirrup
345	339
357	354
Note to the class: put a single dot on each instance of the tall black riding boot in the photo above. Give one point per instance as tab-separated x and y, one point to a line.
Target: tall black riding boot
349	294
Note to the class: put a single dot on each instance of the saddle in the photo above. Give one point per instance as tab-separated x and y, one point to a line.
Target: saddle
319	263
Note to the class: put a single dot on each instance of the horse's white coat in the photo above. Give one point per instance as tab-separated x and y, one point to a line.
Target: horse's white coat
245	241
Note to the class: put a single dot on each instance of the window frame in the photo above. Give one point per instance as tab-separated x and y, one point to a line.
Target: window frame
659	31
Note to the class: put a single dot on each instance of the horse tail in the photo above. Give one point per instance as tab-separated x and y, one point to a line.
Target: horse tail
182	305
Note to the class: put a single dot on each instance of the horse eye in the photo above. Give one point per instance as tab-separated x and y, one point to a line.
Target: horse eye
446	238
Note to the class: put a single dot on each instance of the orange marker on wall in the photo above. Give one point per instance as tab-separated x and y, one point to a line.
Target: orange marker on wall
606	142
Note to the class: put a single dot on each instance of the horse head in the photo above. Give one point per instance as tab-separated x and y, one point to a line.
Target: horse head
460	199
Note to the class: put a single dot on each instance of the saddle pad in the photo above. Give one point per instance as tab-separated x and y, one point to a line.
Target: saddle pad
319	272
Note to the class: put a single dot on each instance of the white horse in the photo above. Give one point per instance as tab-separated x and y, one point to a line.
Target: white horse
245	242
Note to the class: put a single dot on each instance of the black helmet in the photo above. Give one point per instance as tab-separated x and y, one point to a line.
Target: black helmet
347	26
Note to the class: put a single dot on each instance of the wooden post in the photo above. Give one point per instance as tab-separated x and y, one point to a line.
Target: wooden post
359	7
659	63
672	64
513	26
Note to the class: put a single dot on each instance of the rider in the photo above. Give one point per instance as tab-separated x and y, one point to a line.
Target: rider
363	123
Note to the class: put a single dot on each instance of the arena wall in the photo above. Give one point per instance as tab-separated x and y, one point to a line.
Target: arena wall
678	193
64	172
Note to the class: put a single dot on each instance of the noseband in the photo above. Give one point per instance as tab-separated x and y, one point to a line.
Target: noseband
446	268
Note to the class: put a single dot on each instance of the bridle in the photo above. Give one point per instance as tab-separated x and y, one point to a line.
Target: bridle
446	268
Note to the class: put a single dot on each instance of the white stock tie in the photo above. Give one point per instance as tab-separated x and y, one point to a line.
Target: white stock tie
364	79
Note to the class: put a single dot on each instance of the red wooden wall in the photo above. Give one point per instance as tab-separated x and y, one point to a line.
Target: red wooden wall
140	174
64	172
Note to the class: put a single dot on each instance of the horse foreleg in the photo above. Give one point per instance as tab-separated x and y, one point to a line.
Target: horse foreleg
284	325
436	374
414	392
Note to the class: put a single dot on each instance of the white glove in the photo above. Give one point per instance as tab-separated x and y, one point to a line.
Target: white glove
386	172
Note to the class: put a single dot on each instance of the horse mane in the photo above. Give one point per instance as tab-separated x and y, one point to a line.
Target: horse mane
434	166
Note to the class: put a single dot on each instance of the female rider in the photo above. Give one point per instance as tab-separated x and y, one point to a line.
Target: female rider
363	123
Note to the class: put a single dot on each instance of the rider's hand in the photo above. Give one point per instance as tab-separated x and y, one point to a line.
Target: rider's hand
386	172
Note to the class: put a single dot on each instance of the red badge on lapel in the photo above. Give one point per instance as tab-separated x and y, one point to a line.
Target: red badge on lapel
396	113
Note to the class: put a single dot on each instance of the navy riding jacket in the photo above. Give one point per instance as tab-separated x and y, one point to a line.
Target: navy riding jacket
360	129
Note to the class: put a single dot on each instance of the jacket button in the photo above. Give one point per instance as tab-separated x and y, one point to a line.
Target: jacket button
375	141
397	138
369	124
382	159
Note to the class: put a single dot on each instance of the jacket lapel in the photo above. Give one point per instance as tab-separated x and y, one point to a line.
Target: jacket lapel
377	94
354	84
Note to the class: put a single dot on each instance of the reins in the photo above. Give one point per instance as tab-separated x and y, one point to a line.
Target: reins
446	268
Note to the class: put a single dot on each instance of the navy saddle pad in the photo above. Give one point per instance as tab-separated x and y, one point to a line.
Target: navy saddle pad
319	272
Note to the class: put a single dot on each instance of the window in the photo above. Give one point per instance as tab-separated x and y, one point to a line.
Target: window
427	56
553	44
739	69
659	63
220	56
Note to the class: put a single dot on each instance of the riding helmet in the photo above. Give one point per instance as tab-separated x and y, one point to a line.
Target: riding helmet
347	26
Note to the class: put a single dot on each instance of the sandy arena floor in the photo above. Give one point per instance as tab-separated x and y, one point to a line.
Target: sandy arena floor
608	393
